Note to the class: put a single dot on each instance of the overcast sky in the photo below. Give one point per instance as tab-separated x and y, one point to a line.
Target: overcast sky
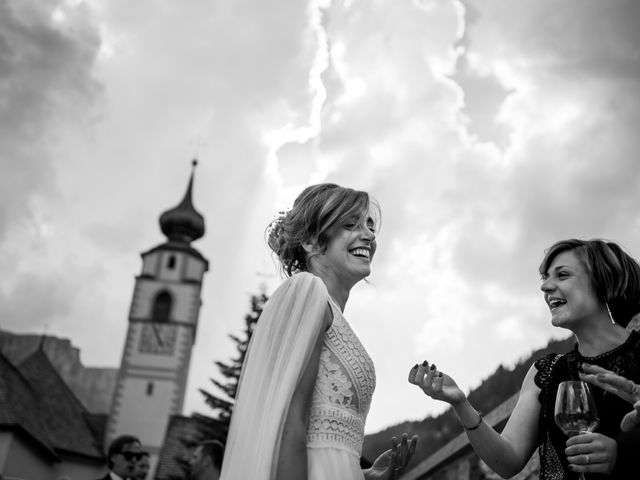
486	130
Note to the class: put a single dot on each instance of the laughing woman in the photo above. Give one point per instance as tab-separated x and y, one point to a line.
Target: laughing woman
592	288
307	381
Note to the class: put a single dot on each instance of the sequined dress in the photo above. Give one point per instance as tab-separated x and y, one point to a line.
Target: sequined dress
341	400
553	369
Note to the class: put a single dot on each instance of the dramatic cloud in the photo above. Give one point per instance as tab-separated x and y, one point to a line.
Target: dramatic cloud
47	50
485	129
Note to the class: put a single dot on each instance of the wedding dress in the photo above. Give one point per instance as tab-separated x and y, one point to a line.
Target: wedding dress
278	353
341	400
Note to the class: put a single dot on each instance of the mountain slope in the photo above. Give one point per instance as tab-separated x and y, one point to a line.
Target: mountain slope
434	432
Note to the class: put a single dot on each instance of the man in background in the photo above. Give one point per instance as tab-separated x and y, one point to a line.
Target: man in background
122	455
142	467
206	460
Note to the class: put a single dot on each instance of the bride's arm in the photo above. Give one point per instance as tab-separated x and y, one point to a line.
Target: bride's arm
292	461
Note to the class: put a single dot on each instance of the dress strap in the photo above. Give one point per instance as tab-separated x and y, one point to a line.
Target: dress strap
335	307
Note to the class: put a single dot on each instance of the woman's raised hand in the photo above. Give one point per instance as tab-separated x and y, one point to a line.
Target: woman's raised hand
618	385
436	384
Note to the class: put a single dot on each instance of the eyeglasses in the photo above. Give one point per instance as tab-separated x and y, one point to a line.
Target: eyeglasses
128	456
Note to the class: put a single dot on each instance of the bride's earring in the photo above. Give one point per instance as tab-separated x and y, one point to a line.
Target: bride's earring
613	322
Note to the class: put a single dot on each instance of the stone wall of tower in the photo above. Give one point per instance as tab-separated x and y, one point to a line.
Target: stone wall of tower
158	381
185	267
186	300
133	390
163	318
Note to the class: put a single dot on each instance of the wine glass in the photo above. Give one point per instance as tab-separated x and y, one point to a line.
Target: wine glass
575	410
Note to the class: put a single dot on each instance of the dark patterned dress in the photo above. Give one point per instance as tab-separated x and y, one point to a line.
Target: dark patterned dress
553	369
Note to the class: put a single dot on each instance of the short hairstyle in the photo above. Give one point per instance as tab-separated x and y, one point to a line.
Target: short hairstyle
614	273
214	450
117	444
316	211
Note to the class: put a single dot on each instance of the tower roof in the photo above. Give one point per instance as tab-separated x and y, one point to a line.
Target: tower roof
183	223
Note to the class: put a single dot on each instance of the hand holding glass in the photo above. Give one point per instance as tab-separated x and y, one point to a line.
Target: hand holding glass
575	410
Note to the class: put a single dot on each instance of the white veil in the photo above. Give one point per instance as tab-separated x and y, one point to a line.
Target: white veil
280	347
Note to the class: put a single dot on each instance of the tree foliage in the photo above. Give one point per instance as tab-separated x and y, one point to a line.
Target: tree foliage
222	404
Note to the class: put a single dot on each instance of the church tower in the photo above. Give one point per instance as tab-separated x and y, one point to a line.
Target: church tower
163	321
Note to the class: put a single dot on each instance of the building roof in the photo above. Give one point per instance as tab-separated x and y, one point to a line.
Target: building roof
93	386
63	415
97	423
18	403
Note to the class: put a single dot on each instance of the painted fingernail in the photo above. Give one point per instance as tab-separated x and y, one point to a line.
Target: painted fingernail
425	363
415	366
439	374
432	367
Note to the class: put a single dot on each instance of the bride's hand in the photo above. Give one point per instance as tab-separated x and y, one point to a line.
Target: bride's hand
391	464
436	384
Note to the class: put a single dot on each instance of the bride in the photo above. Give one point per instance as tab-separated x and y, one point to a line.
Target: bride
307	381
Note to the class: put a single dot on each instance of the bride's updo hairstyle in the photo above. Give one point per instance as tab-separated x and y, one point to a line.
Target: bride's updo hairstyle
315	213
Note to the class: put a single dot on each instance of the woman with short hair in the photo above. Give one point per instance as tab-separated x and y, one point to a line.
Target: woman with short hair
592	288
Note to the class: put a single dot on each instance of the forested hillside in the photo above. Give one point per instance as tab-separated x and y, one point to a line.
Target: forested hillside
434	432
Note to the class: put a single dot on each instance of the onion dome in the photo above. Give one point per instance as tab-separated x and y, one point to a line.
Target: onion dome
183	223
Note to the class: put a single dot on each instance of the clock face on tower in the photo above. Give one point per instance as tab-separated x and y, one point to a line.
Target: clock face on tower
157	338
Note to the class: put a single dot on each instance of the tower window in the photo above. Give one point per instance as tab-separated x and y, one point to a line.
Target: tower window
171	263
149	389
162	307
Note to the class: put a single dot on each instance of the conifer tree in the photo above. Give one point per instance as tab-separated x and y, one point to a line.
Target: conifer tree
230	371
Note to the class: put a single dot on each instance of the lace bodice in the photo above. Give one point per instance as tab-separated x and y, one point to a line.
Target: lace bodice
343	389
